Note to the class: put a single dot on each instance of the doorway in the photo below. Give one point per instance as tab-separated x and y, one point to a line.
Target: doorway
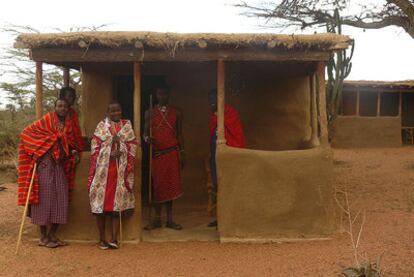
191	210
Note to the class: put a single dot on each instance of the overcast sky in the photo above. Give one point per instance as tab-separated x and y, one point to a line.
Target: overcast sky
386	54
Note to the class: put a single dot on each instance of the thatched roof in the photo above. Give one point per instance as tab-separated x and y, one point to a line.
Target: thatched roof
406	84
153	40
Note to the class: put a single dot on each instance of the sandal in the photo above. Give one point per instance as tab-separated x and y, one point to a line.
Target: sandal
43	242
173	225
113	244
59	242
103	245
153	225
51	244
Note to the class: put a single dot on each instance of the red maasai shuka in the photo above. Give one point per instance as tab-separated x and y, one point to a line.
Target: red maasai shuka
35	140
233	130
166	167
78	144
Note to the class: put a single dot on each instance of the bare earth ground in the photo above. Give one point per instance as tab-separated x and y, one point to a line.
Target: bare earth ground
380	180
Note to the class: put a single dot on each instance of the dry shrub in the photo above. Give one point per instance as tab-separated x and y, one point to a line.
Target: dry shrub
353	227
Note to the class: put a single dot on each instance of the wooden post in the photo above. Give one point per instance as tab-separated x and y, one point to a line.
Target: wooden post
314	111
221	72
137	98
321	89
66	76
357	102
378	104
138	155
400	105
39	90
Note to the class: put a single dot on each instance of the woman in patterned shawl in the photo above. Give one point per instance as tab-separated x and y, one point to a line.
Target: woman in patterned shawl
111	175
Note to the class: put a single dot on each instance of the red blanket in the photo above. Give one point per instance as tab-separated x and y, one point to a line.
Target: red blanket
35	140
233	130
166	175
77	144
72	117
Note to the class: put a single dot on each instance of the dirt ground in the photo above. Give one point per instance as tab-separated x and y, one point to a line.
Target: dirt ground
379	180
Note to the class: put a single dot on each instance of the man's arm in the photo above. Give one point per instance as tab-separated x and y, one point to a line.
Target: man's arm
180	137
180	130
147	125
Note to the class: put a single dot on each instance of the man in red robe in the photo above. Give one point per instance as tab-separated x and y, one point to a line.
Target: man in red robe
69	94
167	141
47	142
233	133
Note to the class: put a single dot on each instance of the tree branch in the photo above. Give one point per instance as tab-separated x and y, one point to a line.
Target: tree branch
401	21
311	13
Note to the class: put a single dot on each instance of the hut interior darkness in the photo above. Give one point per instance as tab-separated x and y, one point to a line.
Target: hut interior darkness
278	188
375	114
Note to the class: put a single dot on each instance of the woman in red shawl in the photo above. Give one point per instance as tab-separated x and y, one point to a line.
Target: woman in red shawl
49	143
111	176
233	133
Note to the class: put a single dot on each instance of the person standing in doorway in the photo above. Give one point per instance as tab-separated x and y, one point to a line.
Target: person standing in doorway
166	138
233	133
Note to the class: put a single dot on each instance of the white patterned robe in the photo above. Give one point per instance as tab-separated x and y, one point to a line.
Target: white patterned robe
100	156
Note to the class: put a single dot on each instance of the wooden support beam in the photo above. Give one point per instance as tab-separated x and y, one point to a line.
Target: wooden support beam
66	77
321	90
221	81
134	54
314	111
137	128
400	105
357	103
137	98
39	90
378	104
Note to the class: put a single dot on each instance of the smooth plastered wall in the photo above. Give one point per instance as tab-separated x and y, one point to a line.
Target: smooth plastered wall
274	195
363	132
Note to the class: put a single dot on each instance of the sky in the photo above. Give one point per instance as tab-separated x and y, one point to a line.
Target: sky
386	54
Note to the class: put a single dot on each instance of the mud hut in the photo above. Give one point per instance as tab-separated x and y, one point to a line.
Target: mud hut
375	114
278	188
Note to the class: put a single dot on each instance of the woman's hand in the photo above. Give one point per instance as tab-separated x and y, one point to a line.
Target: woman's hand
116	154
75	154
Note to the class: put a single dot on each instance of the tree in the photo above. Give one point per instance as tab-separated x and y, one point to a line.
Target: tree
316	13
338	68
19	86
16	64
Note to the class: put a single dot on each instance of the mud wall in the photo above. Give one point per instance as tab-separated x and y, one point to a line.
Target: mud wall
273	100
274	195
97	86
355	132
